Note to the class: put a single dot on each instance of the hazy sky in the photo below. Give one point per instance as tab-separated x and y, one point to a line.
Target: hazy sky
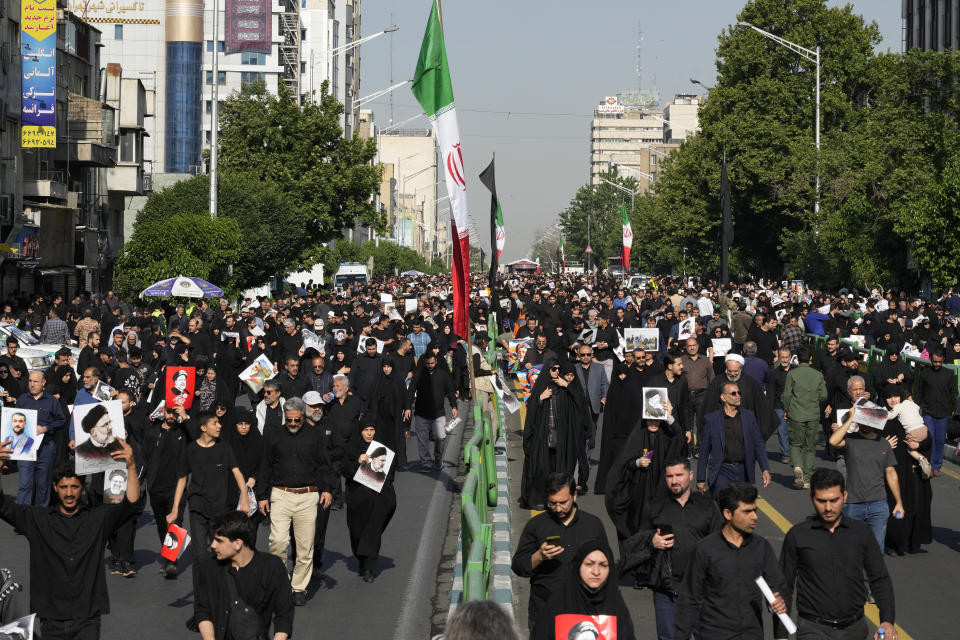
527	74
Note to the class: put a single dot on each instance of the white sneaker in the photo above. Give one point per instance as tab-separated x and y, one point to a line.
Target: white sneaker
798	477
925	467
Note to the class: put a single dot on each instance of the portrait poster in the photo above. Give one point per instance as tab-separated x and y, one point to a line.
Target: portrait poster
373	473
102	391
21	628
882	305
312	341
873	417
655	403
259	371
96	428
114	486
587	336
362	345
687	328
576	626
174	543
410	305
646	339
721	346
527	378
20	427
181	382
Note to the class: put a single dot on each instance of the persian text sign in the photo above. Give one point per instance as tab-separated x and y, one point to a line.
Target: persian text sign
38	48
248	26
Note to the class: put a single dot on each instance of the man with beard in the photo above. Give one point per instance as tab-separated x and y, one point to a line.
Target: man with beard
550	540
68	588
828	545
751	395
732	445
670	529
935	393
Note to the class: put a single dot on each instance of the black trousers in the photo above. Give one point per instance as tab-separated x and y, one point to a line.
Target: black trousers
122	539
77	629
162	503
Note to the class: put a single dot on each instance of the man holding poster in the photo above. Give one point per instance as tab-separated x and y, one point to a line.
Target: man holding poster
68	587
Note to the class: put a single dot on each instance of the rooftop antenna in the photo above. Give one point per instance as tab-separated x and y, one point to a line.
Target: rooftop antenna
391	69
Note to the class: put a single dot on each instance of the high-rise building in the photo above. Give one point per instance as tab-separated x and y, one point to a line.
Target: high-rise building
931	25
633	136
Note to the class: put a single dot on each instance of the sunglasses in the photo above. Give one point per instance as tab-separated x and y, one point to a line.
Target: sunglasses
293	420
734	393
554	368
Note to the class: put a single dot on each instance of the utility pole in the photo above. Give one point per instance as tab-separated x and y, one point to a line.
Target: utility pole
214	119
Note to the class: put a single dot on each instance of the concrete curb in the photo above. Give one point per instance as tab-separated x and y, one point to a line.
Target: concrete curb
501	576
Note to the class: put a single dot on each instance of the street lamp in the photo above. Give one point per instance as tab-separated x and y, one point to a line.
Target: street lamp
359	102
621	188
813	55
347	47
695	81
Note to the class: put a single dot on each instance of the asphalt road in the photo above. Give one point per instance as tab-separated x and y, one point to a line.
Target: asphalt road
925	585
399	604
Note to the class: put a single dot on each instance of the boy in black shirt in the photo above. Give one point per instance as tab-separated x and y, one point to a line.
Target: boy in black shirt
259	580
209	463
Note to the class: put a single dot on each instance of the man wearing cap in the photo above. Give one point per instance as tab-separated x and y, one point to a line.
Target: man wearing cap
313	417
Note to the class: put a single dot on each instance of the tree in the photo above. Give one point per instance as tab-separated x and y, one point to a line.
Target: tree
301	150
272	228
600	206
187	244
932	227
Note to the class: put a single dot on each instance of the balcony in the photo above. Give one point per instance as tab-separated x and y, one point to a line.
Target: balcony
46	184
126	180
91	132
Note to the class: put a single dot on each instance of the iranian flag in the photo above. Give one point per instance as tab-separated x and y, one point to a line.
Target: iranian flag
434	91
538	260
627	236
563	257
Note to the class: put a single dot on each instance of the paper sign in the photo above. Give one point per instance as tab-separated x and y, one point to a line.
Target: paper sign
580	626
647	339
259	371
882	305
768	595
362	345
721	346
114	486
311	341
20	427
687	328
174	543
21	628
386	297
97	429
410	305
655	400
373	473
181	382
825	309
873	417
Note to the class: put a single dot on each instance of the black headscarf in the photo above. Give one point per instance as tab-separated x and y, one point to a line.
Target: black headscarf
576	598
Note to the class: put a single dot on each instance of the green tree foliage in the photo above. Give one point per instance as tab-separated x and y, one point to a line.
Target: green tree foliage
188	244
932	227
601	205
301	150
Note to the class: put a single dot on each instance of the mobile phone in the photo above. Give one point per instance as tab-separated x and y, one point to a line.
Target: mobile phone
553	540
666	530
648	455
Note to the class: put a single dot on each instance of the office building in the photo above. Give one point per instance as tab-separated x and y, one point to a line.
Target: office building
931	25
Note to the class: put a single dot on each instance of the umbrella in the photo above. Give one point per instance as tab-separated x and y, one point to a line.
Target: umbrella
413	273
183	287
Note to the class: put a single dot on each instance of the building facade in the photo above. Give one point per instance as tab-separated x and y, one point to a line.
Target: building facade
931	25
63	205
410	192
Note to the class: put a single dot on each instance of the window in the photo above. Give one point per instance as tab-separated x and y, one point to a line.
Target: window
118	32
210	46
221	77
253	58
128	146
208	105
208	136
249	77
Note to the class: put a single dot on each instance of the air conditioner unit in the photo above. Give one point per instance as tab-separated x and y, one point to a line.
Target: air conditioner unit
6	209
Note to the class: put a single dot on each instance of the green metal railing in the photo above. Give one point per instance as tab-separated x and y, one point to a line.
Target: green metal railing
478	496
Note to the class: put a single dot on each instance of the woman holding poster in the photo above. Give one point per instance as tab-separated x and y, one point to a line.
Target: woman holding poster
368	511
588	604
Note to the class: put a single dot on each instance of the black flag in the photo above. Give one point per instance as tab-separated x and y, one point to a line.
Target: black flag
489	181
726	230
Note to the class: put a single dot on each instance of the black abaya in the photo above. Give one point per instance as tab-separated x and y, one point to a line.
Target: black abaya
368	512
916	494
624	403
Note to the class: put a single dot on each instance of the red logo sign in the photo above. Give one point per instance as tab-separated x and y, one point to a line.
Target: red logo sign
455	166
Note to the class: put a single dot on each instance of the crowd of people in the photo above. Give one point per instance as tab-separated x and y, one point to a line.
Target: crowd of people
352	380
685	409
356	373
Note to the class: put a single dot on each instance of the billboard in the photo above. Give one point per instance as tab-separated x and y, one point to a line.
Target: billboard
248	26
38	48
610	105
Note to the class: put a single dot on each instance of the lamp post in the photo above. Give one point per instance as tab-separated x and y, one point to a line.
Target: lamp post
347	47
695	81
813	55
621	188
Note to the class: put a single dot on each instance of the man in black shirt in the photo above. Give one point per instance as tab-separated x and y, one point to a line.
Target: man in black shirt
432	385
164	445
291	383
545	562
824	556
12	360
296	475
258	579
672	526
936	389
68	587
719	582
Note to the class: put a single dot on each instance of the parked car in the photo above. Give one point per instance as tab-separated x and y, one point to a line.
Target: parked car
30	347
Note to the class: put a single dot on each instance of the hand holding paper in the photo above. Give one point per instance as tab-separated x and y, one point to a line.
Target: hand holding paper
777	605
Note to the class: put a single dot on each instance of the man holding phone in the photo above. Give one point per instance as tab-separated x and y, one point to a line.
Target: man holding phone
672	525
551	539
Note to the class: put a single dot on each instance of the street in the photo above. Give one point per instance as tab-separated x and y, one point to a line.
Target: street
923	583
397	605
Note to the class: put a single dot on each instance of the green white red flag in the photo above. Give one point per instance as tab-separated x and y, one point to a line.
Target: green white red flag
627	236
434	91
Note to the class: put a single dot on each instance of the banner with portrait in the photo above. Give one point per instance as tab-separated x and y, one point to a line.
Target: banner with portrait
373	473
181	383
97	428
19	426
